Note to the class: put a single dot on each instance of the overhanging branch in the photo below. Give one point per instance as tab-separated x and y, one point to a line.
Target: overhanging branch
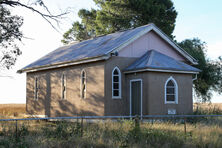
48	17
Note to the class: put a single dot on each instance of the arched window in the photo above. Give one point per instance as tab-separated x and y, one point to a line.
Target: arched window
171	91
63	79
116	83
83	84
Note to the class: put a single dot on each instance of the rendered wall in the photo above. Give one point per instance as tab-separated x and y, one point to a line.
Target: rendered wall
156	84
50	102
154	92
116	106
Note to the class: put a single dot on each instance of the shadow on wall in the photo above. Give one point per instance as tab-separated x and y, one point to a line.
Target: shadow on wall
50	102
37	106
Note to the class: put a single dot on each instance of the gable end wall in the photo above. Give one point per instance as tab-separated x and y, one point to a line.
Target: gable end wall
150	41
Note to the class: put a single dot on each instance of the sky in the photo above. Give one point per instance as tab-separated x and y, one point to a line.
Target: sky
199	18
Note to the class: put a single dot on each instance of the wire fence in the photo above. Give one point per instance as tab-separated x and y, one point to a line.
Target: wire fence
113	117
182	119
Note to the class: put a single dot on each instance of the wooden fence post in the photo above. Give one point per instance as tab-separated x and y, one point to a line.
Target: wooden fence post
77	120
185	127
137	123
16	129
81	127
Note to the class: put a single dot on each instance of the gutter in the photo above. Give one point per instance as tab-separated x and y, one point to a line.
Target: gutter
161	70
63	64
194	77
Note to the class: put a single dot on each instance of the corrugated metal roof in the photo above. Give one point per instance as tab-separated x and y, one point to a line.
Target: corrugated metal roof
95	47
156	60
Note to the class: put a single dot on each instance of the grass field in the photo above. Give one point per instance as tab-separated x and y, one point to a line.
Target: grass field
123	133
207	108
206	133
208	105
12	110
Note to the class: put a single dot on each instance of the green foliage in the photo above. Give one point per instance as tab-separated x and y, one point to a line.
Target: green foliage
211	76
158	138
118	15
62	130
11	139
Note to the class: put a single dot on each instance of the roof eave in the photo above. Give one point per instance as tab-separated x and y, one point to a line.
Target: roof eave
63	64
160	70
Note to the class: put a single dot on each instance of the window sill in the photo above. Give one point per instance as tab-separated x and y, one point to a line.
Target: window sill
171	102
116	98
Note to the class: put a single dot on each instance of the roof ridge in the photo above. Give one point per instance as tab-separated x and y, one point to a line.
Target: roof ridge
111	33
144	56
150	57
122	30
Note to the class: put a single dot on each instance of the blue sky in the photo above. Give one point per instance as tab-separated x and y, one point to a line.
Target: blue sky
202	19
196	18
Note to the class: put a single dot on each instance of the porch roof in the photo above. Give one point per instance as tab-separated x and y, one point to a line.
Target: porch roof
154	60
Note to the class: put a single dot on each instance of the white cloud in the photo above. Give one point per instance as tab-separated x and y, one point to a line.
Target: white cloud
214	49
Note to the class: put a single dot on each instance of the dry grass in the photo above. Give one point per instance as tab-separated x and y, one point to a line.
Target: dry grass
208	105
110	134
208	108
12	110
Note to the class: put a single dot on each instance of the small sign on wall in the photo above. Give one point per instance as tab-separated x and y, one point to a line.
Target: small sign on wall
171	111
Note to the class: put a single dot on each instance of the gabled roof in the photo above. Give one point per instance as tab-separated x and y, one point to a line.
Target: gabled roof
155	61
98	48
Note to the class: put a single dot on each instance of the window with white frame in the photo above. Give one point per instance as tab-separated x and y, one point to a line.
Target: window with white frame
83	84
171	91
63	79
116	83
36	91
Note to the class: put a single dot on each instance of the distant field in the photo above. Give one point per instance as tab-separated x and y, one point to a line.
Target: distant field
12	110
208	105
207	108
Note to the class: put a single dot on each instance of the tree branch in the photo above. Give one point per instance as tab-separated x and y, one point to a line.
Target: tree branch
48	17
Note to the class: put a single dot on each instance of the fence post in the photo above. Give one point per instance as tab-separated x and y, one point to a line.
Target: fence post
185	127
81	126
137	123
16	129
